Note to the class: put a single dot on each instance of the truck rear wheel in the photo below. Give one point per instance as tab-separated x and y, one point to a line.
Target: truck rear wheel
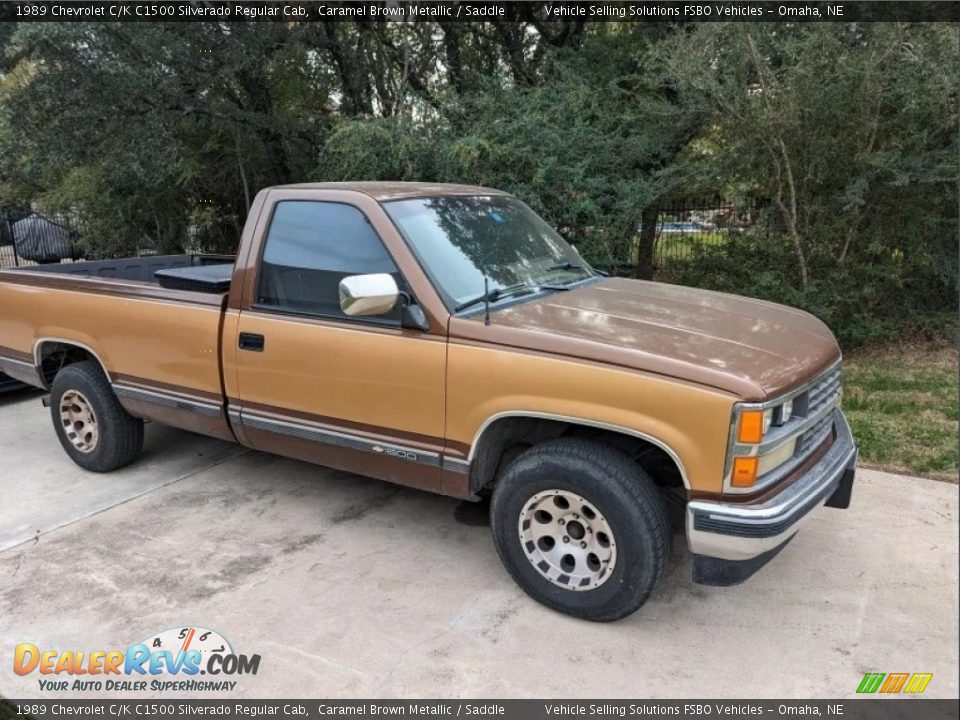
97	433
581	528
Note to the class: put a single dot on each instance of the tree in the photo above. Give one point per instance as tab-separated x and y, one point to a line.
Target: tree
849	129
588	141
158	125
159	134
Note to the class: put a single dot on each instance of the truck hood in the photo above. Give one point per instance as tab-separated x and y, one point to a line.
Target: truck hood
748	347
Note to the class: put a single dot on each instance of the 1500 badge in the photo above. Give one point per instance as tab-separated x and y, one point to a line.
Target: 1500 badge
396	452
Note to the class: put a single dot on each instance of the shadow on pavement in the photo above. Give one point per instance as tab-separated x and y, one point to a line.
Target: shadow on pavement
19	394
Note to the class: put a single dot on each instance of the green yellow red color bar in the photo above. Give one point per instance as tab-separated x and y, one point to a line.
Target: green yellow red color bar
903	683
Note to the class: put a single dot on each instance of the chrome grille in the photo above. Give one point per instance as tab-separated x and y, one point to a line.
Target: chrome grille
808	427
823	394
814	436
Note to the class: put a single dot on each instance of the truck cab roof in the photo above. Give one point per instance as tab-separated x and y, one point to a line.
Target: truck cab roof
396	190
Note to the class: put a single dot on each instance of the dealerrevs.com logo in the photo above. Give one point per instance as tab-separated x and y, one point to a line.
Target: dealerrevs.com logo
172	660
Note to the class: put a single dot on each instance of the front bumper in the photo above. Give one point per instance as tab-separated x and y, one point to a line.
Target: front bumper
731	541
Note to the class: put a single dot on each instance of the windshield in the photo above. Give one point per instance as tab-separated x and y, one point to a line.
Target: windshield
461	239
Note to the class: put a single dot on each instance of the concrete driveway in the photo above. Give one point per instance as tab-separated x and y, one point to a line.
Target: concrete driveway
349	587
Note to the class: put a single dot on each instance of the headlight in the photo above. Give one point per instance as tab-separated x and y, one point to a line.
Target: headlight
764	438
784	412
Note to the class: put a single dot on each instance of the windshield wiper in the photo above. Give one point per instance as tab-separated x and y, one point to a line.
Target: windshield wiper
495	294
567	265
549	286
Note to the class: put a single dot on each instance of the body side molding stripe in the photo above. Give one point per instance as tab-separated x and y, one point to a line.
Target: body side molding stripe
168	400
19	363
344	440
456	465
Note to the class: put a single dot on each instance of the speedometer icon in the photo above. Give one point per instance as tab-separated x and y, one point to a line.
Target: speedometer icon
192	637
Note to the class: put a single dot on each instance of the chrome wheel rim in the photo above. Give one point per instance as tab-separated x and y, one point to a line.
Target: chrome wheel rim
567	540
79	421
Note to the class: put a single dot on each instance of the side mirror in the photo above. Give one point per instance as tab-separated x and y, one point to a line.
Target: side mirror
412	317
374	294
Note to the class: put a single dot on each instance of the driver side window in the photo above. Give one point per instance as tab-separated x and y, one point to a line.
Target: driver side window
311	246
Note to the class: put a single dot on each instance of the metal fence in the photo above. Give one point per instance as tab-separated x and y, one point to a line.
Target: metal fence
684	229
687	228
30	238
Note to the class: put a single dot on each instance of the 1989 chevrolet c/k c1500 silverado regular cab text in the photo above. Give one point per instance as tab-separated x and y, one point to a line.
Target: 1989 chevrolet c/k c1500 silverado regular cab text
446	338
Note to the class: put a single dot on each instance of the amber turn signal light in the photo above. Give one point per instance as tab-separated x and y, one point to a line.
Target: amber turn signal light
744	472
750	429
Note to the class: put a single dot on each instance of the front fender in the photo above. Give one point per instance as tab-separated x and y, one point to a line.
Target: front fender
688	421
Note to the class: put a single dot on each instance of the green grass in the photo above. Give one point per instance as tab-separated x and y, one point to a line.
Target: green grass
683	246
902	405
674	245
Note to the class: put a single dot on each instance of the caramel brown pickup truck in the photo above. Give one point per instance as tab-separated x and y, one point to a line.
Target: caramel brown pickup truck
446	338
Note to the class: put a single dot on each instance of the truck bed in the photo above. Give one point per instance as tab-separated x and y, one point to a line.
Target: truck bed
145	335
134	277
141	269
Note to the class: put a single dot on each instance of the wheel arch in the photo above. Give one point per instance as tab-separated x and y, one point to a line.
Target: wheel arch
46	349
503	431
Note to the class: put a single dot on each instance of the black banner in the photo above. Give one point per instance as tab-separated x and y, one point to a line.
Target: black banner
891	708
473	11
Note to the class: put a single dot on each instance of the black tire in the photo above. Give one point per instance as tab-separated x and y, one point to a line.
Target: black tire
119	434
621	492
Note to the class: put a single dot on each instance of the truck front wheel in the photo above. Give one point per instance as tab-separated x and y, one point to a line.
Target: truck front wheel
581	528
97	433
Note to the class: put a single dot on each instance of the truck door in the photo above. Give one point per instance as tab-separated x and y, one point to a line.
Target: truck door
356	393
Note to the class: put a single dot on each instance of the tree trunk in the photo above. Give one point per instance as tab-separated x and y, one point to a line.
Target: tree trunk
243	172
351	65
451	46
648	242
